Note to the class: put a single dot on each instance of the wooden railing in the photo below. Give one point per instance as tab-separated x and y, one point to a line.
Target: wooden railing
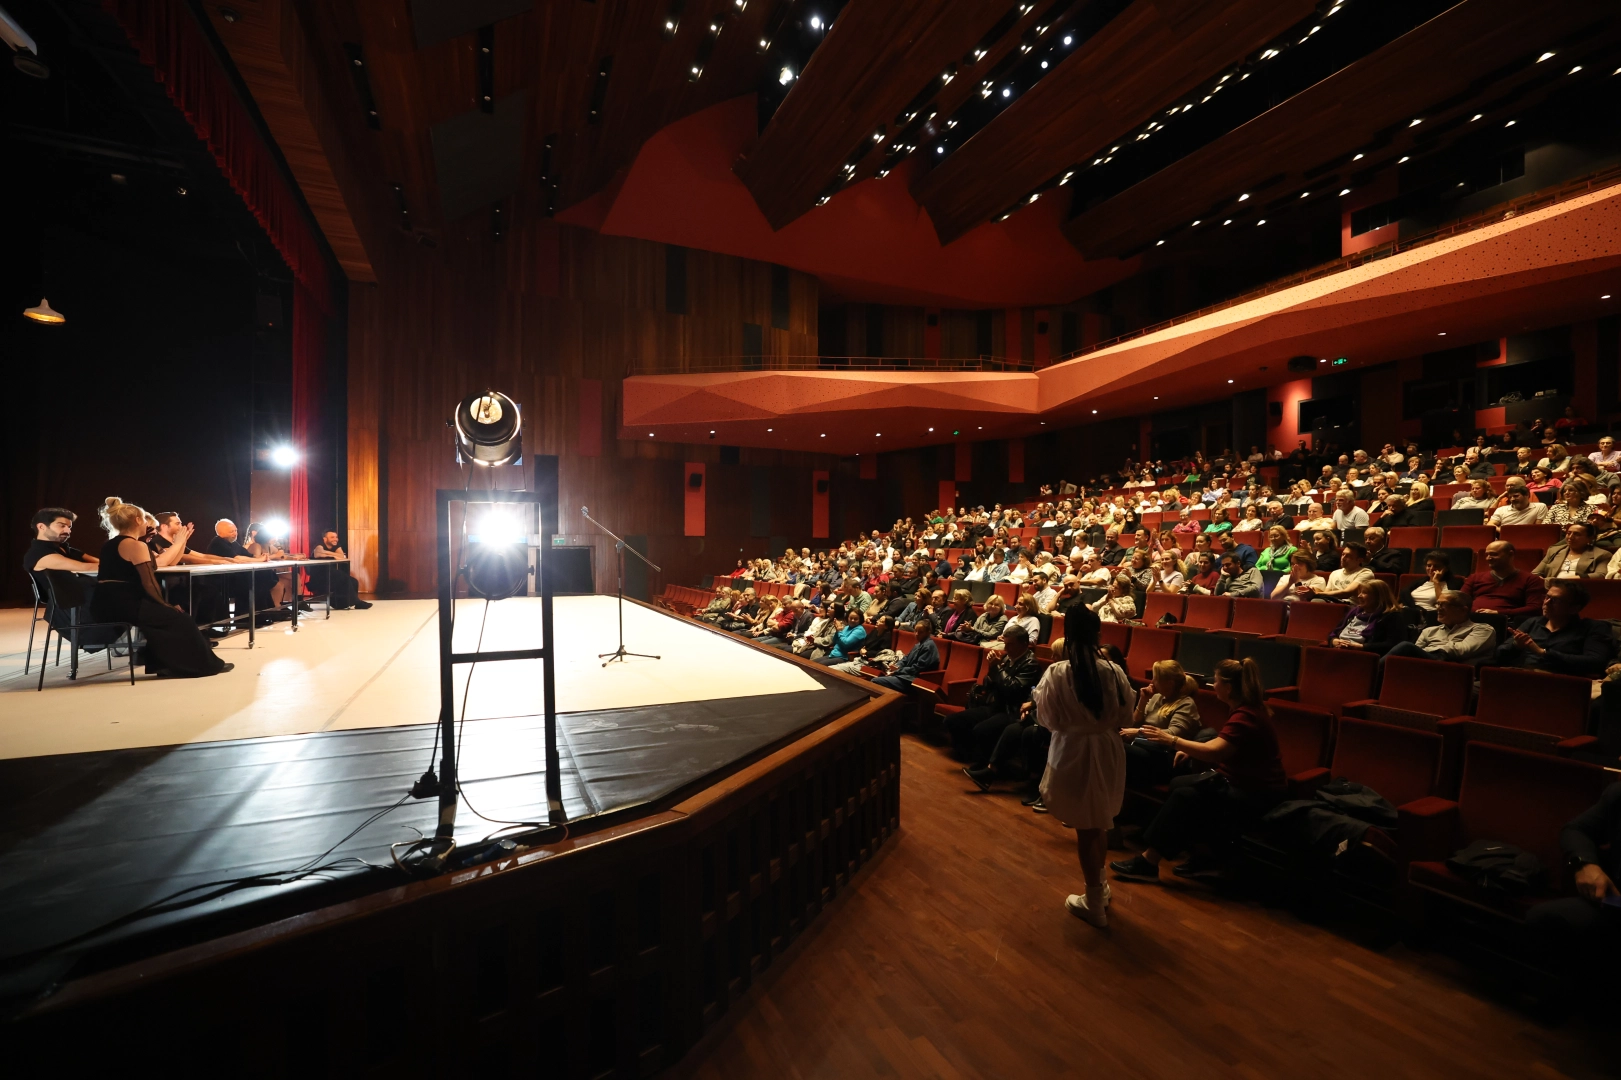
696	365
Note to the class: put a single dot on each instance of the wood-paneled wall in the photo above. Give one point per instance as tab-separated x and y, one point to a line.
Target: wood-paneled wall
533	315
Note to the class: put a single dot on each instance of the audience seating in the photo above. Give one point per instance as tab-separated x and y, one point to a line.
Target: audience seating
1413	537
1312	622
1532	536
1470	537
1462	561
1509	795
1199	653
1303	739
1331	677
1116	634
1278	660
1401	763
1604	598
1148	645
1156	605
1258	617
1208	612
1418	692
1008	591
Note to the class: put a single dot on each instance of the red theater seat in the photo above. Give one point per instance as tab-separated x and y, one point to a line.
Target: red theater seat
1116	634
1532	710
1473	537
1418	691
1208	612
1400	763
1420	538
1331	677
1532	536
1508	795
1149	645
1312	622
1156	605
1303	735
1263	617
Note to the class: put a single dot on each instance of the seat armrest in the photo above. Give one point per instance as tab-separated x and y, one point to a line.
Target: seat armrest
1428	829
956	691
1303	784
1576	744
1358	709
1285	693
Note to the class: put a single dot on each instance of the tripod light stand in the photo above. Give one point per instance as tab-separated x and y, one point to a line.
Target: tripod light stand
621	547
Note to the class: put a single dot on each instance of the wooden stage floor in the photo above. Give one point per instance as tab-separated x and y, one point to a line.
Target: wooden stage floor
955	958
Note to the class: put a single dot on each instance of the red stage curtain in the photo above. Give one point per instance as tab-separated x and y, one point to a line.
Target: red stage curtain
167	36
309	347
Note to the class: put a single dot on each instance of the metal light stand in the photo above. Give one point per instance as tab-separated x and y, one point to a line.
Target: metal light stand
621	652
545	497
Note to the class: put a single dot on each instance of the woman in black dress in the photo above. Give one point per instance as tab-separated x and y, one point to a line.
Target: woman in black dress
127	591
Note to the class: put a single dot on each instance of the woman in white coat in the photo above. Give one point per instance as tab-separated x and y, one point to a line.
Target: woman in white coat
1085	702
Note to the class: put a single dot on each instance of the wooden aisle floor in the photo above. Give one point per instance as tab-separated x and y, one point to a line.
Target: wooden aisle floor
953	957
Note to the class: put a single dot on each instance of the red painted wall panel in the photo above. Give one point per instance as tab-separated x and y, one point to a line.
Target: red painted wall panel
948	494
1284	432
694	499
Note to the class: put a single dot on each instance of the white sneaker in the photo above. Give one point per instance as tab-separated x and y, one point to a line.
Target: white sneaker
1076	906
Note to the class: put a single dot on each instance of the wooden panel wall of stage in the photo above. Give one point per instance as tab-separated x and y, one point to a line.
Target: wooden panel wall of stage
546	314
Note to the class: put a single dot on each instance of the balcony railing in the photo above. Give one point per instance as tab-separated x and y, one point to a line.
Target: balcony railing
698	365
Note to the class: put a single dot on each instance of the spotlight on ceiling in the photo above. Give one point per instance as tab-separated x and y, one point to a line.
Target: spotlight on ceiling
489	429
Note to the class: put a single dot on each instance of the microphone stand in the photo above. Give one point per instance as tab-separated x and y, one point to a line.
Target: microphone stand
620	546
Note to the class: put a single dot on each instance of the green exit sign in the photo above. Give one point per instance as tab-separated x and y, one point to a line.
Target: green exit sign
1340	361
557	541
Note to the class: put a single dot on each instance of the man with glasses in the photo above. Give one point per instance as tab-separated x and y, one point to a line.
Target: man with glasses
1456	637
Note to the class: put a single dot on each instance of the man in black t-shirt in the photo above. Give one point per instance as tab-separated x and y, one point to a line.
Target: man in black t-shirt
50	549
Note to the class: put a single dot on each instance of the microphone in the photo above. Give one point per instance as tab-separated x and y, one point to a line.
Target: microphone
585	512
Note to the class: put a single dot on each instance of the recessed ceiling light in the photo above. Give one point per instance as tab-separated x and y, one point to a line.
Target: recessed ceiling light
1156	397
1068	39
1358	157
1403	160
1345	191
770	429
1574	70
1416	122
1545	56
823	435
1159	243
1475	117
1094	412
650	435
1244	196
1229	382
939	149
1261	222
1303	194
1442	334
1195	225
1044	65
1511	123
1229	221
1007	91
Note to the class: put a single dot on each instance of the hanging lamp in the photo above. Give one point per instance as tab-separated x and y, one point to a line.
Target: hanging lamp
43	312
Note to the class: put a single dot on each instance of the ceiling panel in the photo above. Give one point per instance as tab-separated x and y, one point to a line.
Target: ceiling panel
1306	143
1152	52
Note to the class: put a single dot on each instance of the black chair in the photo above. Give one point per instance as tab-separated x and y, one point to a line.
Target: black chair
1407	553
1460	561
1444	518
68	599
1199	652
980	591
41	604
1279	661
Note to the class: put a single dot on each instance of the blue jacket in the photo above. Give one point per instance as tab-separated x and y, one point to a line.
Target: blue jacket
847	641
925	656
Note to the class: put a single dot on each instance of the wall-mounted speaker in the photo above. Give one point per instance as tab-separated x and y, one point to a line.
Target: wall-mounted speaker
695	480
1274	411
821	487
1302	364
1041	328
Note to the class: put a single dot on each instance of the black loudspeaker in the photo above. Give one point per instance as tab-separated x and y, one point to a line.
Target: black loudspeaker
932	320
821	487
695	480
1274	411
1302	364
1041	328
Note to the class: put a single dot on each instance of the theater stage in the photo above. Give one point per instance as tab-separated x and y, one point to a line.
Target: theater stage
114	796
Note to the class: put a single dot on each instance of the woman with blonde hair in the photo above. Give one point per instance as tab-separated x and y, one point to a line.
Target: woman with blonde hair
1242	779
1301	579
1117	605
1085	701
1374	623
1278	550
127	591
1167	703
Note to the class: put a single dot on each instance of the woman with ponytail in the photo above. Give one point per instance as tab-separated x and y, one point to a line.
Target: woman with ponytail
1243	779
1085	701
127	591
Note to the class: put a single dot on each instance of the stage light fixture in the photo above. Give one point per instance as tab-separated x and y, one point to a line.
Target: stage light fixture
42	312
489	429
276	528
497	557
283	457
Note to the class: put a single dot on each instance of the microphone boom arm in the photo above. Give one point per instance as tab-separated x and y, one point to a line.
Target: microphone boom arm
620	540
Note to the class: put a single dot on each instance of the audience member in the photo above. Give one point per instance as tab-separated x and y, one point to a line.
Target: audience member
1383	559
1167	702
1374	623
1455	637
1438	578
923	656
1560	640
994	703
1511	593
1235	581
1215	806
1519	507
1577	929
1575	557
